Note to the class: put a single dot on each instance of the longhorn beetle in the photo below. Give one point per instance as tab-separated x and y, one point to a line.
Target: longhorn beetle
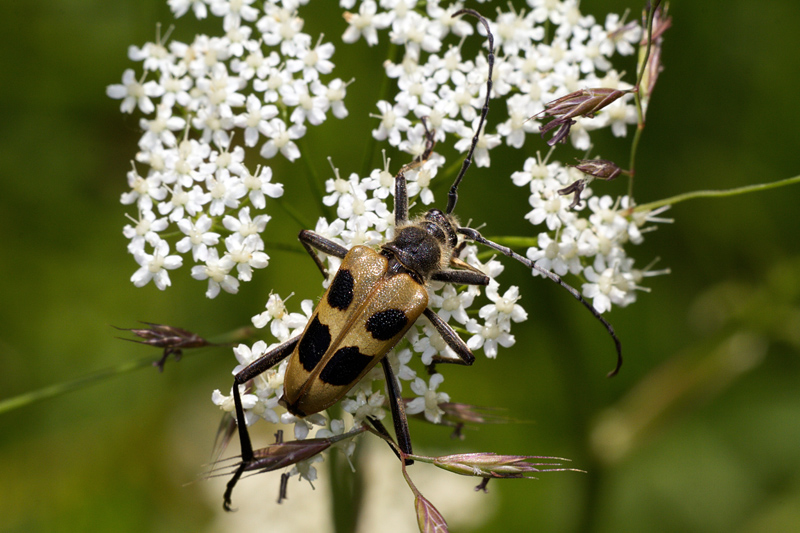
374	298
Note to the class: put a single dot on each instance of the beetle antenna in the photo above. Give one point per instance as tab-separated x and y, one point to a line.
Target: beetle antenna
452	196
475	236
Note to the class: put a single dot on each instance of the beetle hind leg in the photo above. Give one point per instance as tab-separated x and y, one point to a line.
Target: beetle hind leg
398	408
257	367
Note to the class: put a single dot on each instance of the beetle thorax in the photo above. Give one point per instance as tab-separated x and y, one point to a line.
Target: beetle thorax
425	245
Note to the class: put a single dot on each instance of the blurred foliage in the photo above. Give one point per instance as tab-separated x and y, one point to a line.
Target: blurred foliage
699	431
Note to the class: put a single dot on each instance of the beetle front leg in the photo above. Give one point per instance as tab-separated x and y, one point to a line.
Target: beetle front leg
400	188
398	407
311	241
257	367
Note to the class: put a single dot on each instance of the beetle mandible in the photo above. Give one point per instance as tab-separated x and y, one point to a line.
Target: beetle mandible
374	298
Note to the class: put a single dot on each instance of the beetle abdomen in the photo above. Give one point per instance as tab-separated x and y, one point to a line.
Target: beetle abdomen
363	314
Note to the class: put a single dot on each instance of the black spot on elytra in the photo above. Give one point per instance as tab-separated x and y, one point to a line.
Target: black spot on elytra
340	293
314	343
345	366
386	324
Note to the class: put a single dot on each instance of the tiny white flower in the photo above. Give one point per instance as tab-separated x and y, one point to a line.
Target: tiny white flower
144	190
303	425
255	119
259	186
181	7
313	62
216	271
247	253
134	94
348	446
334	93
282	139
244	225
432	344
365	23
452	303
154	266
428	399
393	122
488	336
198	237
146	229
362	407
505	308
305	470
226	403
306	107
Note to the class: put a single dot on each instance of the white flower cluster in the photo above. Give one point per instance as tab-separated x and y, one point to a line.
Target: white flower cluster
365	218
531	68
591	247
264	67
189	178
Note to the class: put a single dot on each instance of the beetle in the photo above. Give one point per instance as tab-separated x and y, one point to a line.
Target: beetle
372	301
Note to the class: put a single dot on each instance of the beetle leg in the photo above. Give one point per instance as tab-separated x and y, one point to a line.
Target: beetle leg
461	277
398	410
259	366
311	241
475	236
400	189
380	428
453	340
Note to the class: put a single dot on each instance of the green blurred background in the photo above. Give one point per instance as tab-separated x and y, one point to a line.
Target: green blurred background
699	432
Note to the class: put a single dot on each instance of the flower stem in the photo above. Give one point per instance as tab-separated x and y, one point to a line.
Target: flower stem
296	215
52	391
515	241
312	177
716	193
638	99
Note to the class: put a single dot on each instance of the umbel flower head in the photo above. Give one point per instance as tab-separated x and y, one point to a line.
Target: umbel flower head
250	92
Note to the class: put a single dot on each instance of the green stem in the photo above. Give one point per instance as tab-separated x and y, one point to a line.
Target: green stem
284	247
312	177
650	17
52	391
716	193
346	486
515	241
634	147
294	214
638	99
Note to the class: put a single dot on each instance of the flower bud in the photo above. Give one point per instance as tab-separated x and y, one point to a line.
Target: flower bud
599	168
575	187
172	339
661	23
429	519
490	465
279	455
596	168
583	103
